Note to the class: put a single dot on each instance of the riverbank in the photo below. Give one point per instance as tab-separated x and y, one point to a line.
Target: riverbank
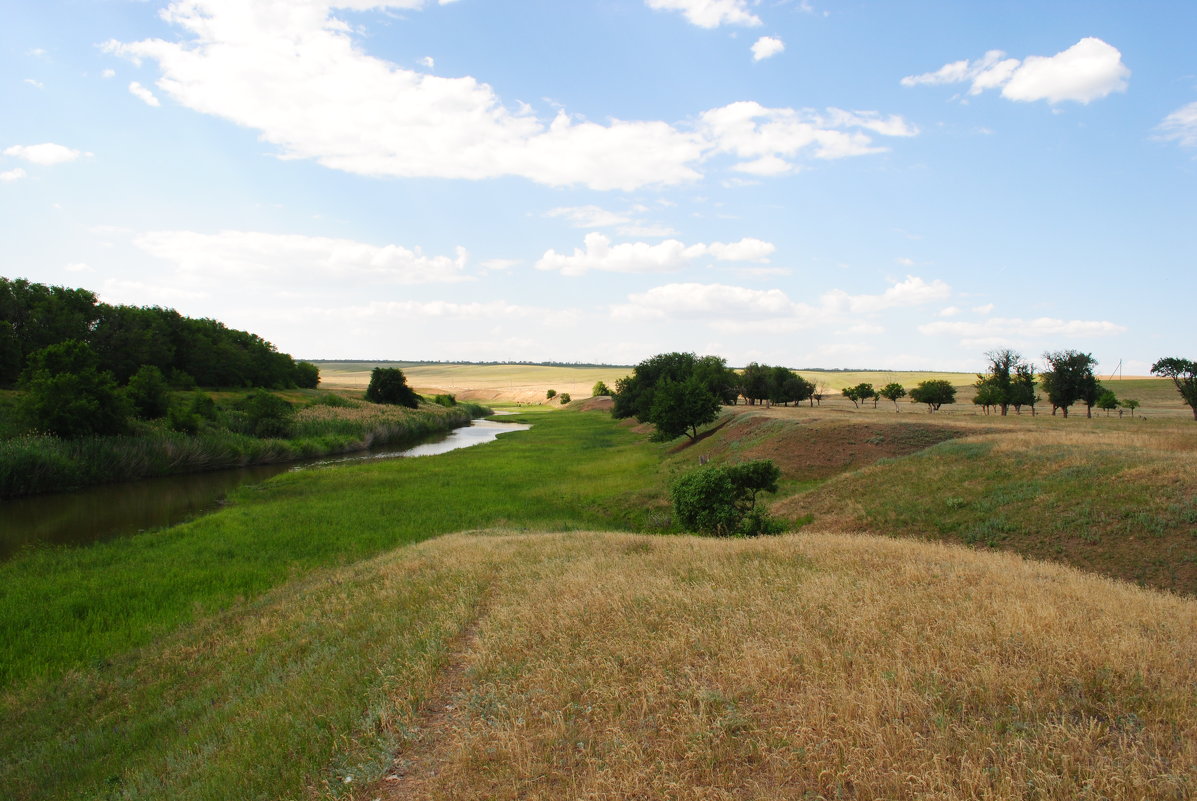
33	464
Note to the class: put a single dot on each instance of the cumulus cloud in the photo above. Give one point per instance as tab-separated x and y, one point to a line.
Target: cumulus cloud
733	309
14	174
640	257
765	138
1089	70
46	154
145	95
589	216
1180	126
294	73
767	47
251	255
710	13
1005	328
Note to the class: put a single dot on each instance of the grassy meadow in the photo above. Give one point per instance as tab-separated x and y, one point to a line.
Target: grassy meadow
521	620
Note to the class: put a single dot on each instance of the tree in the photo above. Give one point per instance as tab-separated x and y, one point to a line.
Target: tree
1128	403
1070	378
148	392
552	393
721	500
997	384
934	393
307	375
1022	393
1183	373
267	414
389	385
634	393
754	385
863	392
681	407
68	396
1107	400
600	389
893	392
564	398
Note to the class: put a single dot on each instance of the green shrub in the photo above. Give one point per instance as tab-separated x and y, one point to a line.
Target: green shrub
721	500
389	385
445	400
267	416
147	390
67	395
564	398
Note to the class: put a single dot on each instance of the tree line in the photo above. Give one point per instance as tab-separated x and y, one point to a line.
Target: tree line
679	392
187	351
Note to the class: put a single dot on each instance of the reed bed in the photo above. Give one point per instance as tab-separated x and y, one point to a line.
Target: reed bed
32	464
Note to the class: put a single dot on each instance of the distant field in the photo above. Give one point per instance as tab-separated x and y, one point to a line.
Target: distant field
521	383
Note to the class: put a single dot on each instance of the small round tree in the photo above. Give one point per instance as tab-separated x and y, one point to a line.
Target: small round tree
389	385
934	393
721	500
68	396
552	393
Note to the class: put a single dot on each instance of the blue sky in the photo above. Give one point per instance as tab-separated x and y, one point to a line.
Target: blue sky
896	185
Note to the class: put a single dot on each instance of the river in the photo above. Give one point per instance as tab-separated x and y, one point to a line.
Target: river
100	513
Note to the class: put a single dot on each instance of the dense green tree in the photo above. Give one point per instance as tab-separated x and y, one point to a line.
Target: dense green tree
1022	393
893	392
795	389
988	395
267	415
65	393
11	359
600	389
934	393
860	393
1183	373
721	500
148	393
1070	378
564	398
680	407
634	393
389	385
549	395
307	375
755	382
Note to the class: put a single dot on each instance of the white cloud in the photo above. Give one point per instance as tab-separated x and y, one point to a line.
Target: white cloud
706	301
14	174
985	309
1004	328
295	73
733	309
913	291
108	74
905	261
1089	70
46	154
145	95
649	231
766	137
1180	126
251	255
641	257
950	311
79	267
428	61
589	216
710	13
767	47
500	264
35	83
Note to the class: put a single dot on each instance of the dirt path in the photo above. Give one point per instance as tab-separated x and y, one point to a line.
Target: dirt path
418	762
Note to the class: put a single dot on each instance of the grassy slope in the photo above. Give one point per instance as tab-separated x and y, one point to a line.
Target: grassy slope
629	666
63	608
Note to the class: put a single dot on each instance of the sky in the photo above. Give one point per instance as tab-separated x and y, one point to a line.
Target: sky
894	184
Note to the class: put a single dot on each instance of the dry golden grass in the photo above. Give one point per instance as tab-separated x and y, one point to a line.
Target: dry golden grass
513	383
804	667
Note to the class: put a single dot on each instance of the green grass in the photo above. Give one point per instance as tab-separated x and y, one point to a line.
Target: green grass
63	609
34	463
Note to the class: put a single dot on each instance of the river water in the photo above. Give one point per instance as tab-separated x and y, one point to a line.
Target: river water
112	510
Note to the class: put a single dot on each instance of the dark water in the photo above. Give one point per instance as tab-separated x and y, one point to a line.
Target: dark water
113	510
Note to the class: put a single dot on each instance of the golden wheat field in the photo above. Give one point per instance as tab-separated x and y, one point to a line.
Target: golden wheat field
816	666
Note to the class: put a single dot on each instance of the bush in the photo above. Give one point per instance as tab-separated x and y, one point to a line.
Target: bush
564	398
267	415
445	400
600	389
389	385
721	500
68	396
148	392
552	393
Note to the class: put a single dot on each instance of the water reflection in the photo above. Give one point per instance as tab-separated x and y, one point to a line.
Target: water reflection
113	510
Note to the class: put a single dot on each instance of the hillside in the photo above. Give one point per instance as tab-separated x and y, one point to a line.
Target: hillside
503	665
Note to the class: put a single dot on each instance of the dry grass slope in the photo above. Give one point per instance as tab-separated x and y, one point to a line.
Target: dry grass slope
804	667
